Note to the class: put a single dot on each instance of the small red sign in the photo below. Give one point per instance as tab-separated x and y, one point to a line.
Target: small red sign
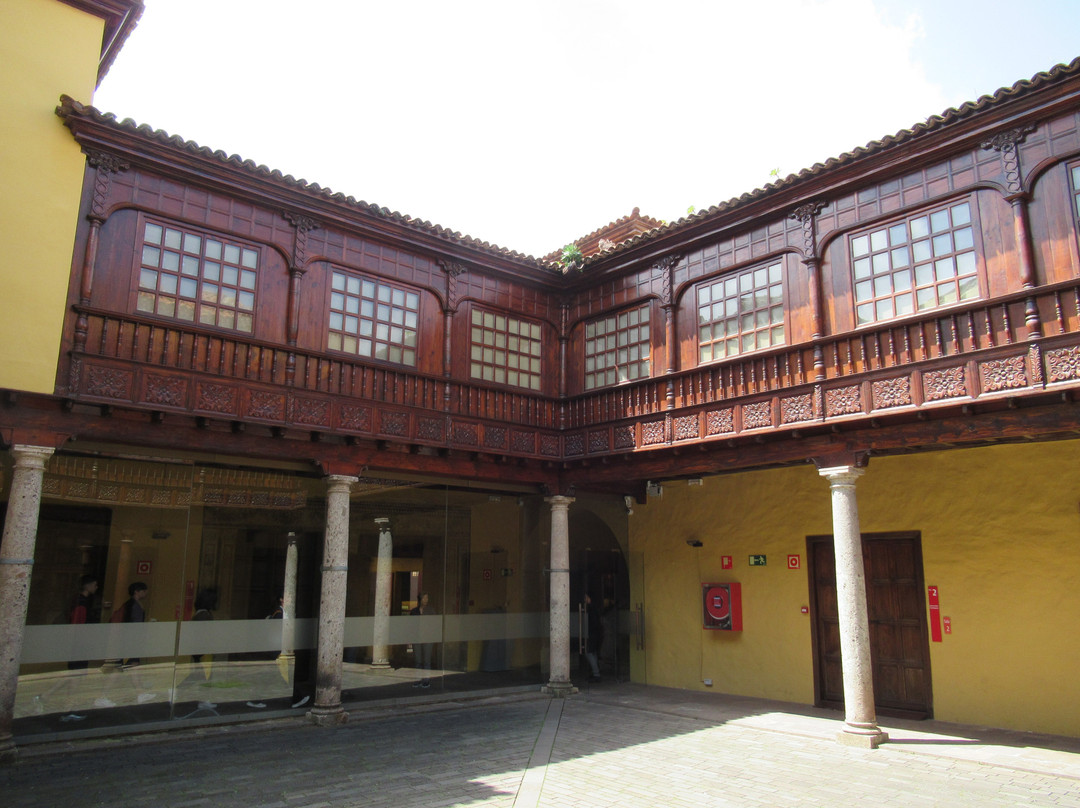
947	622
142	567
487	575
725	562
794	562
935	614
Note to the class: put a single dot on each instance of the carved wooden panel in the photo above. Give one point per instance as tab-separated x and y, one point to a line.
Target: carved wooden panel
523	442
757	415
219	398
886	393
310	411
599	441
465	434
574	445
549	445
354	418
687	427
947	383
165	391
843	400
624	437
431	429
394	423
265	406
1063	364
495	437
1003	374
108	382
652	433
720	422
794	409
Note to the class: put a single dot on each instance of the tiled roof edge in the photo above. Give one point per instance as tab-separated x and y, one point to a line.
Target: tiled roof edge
949	117
69	107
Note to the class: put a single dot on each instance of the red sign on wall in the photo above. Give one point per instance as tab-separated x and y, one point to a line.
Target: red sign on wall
142	567
725	562
935	614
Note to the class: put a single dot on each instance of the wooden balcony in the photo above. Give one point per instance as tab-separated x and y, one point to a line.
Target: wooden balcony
966	355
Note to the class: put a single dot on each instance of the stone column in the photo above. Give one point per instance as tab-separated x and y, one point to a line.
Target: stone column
335	570
288	602
860	720
16	564
380	647
559	638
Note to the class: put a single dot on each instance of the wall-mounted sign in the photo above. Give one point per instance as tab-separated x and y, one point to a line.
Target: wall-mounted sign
722	606
757	561
794	562
947	623
725	562
935	614
142	567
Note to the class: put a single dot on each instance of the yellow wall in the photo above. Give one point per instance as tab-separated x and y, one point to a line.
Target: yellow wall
1000	533
47	48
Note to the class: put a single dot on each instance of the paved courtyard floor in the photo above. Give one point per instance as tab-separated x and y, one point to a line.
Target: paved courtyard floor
630	746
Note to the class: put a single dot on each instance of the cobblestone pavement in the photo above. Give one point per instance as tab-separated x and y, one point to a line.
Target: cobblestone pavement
626	745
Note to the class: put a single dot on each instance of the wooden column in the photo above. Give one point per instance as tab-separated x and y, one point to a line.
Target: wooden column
807	215
860	719
297	269
335	570
16	564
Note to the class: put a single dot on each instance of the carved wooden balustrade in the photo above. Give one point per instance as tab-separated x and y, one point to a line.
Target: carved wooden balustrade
974	352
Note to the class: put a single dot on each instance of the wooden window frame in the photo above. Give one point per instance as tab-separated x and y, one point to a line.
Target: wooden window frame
747	304
499	351
938	254
372	319
624	332
191	275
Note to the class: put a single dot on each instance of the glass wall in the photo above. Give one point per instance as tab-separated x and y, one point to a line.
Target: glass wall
178	590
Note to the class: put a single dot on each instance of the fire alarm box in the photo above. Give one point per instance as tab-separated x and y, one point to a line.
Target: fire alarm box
721	606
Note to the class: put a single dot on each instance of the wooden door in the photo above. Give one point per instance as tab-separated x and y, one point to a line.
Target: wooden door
899	640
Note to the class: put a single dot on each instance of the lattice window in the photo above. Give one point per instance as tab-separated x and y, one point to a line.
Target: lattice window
1075	171
372	319
741	312
916	264
504	350
617	348
197	277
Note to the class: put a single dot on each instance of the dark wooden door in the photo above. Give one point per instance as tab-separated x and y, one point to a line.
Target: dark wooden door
899	640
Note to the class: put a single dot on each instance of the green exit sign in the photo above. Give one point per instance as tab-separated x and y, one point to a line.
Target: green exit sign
757	561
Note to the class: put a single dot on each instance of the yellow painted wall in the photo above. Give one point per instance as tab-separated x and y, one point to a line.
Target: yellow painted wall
47	48
1000	533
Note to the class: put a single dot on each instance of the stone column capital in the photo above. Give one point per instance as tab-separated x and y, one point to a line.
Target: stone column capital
336	483
842	475
559	503
31	456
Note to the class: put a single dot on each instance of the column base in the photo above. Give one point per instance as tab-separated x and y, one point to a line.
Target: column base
328	716
381	665
286	656
862	738
559	690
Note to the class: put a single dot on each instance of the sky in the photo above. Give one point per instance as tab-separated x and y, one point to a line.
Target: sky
530	124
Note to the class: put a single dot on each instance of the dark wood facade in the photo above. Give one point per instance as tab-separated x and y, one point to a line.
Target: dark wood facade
1000	364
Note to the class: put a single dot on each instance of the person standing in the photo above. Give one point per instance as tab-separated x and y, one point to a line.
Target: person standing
132	612
595	638
422	649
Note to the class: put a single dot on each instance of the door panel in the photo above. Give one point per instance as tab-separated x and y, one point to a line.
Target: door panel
899	639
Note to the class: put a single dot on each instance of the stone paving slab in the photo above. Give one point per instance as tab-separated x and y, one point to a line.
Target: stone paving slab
628	746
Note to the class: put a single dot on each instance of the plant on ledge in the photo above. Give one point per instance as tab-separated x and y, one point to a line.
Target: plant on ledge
571	258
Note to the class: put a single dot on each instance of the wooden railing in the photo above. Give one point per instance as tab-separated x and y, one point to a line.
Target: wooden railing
958	331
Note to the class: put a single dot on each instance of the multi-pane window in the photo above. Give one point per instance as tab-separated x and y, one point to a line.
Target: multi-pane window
617	348
741	312
372	319
917	264
505	350
1076	189
197	277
